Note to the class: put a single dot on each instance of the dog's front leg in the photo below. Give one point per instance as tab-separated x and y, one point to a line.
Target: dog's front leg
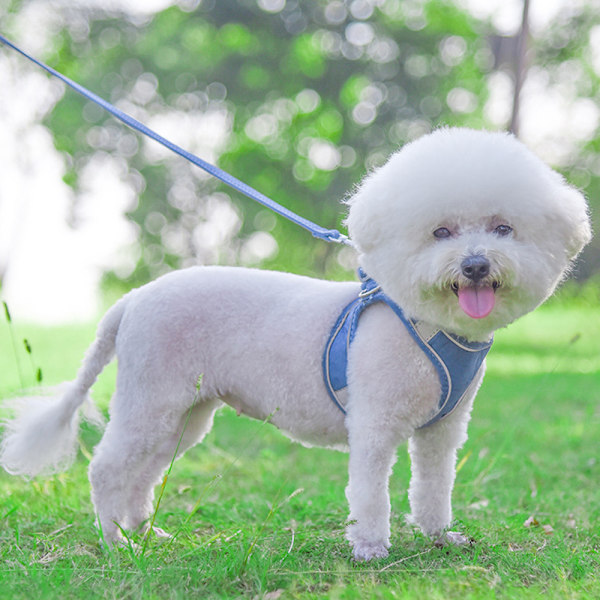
372	455
433	457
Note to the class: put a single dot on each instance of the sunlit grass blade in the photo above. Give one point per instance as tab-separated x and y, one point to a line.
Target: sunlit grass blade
14	343
37	371
275	506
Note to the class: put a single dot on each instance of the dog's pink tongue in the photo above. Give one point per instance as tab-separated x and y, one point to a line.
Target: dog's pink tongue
477	302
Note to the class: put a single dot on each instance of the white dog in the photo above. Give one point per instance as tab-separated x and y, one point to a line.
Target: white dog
464	230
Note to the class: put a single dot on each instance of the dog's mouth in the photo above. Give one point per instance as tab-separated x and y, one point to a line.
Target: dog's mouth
476	301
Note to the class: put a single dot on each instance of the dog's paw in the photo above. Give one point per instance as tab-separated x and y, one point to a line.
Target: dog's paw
160	533
363	551
453	538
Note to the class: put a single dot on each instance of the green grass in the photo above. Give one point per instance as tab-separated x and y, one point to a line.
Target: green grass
270	514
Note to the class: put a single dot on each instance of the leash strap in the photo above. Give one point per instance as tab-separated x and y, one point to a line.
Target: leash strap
329	235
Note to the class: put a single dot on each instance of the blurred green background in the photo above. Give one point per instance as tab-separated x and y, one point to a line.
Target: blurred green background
299	100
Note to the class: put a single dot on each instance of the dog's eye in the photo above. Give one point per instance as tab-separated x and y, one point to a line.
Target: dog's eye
441	233
503	230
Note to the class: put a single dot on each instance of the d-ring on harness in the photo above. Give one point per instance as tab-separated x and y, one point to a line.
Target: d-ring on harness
456	360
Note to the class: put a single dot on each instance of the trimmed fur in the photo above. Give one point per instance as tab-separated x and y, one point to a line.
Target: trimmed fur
257	338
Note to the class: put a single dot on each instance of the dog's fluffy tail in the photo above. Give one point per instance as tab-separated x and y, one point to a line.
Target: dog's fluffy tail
42	436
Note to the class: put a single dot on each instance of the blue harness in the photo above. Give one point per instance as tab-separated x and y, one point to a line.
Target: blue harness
455	359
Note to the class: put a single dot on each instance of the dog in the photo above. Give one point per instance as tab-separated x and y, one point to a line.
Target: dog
464	231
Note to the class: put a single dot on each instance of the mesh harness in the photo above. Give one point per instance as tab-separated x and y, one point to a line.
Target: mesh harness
455	359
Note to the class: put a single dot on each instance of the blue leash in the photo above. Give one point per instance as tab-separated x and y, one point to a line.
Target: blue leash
329	235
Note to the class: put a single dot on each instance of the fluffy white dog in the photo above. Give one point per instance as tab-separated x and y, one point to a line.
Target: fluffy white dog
464	230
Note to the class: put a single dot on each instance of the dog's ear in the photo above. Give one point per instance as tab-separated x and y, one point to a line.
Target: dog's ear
363	221
575	222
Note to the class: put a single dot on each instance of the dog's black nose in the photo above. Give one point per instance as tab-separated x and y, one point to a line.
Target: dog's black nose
475	267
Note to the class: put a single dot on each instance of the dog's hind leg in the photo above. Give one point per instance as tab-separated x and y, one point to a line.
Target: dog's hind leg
137	447
192	428
115	464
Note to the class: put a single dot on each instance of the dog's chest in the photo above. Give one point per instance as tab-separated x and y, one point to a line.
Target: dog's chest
452	361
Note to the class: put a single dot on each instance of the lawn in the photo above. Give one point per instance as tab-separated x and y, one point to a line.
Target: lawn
256	516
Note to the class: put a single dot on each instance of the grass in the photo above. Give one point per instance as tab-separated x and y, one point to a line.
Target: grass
257	516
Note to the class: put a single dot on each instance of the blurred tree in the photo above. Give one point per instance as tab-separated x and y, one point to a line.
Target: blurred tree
566	60
298	99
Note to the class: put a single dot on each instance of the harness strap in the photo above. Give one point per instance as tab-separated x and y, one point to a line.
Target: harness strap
329	235
455	359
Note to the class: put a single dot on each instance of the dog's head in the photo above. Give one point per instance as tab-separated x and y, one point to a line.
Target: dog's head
467	230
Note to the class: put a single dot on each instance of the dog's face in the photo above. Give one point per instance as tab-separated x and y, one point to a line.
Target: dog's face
467	230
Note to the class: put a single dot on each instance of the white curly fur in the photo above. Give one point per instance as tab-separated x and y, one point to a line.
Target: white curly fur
257	338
